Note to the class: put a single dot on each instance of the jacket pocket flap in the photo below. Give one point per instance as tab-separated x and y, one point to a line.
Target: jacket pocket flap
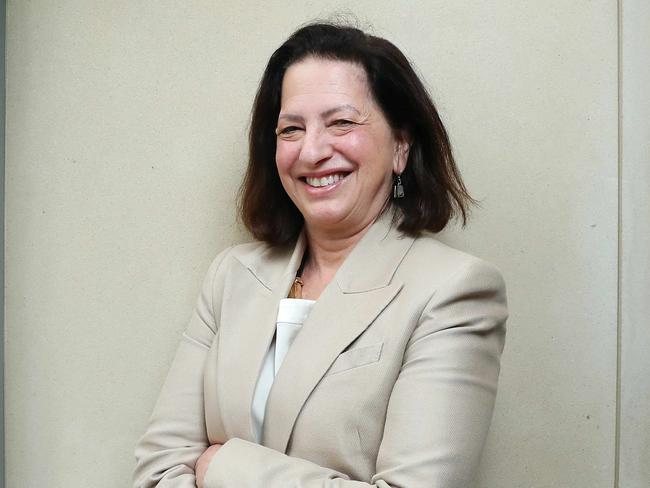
353	358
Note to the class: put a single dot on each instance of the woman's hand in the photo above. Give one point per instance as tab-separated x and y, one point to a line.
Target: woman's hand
201	466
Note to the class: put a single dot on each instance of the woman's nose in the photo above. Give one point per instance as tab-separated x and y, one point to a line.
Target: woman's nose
316	146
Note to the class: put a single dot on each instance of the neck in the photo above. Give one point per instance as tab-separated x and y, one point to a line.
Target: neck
328	250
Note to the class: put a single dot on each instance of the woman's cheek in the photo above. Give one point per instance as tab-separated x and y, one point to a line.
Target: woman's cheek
285	154
284	164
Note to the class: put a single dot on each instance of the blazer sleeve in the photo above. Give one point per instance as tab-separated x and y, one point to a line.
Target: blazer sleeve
439	411
176	434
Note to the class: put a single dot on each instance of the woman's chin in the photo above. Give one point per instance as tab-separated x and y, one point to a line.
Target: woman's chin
339	225
327	220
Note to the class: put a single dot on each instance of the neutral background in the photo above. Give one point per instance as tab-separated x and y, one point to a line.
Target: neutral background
125	145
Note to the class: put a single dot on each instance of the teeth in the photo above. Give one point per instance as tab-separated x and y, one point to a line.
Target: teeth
325	180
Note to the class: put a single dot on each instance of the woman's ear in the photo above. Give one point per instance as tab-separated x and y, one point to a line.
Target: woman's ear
401	152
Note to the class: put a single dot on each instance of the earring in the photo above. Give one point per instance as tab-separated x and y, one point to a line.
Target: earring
398	188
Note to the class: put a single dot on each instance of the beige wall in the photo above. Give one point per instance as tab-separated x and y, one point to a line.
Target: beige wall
125	145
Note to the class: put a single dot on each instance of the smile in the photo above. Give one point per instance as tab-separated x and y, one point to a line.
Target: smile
325	180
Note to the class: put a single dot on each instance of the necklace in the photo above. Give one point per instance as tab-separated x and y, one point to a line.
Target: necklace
296	288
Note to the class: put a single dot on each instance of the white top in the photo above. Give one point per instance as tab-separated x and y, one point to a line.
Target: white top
292	313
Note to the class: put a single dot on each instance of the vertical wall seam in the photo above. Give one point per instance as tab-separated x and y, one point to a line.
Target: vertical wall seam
619	254
3	104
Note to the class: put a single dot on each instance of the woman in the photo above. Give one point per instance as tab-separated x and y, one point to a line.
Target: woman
391	380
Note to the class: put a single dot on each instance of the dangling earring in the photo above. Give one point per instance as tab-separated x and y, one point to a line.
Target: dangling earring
398	188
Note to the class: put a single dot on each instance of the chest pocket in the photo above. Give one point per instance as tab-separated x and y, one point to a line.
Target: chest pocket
355	358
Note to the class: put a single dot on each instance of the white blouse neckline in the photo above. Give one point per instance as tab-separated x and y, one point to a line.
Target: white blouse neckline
292	313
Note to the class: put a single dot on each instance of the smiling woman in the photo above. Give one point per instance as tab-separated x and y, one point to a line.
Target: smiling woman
336	153
347	347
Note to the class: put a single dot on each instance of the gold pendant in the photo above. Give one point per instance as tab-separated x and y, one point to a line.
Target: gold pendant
296	288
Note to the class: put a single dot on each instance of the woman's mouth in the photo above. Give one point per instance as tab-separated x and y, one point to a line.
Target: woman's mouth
324	181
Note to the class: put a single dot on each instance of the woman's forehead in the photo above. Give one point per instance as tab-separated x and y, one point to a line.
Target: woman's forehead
325	84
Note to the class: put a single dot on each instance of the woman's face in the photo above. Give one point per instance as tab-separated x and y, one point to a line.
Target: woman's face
336	152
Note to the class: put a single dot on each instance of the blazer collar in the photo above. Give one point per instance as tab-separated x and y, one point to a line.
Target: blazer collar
370	265
272	265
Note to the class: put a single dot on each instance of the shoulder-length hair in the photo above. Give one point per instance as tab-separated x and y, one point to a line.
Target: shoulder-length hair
434	190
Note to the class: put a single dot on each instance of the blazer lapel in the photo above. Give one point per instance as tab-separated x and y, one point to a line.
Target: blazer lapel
361	289
253	290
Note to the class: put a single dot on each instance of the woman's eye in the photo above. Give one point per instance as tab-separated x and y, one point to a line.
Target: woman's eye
285	131
343	123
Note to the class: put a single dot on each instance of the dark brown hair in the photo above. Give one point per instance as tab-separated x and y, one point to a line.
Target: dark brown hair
435	192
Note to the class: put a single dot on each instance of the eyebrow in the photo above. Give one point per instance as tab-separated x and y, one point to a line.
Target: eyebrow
325	114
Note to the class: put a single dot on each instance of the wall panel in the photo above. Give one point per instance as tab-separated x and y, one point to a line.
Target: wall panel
635	246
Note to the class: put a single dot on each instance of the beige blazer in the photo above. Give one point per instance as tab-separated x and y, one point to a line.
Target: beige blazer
390	383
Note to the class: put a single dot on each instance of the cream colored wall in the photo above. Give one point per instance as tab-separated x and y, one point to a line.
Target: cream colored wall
125	144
